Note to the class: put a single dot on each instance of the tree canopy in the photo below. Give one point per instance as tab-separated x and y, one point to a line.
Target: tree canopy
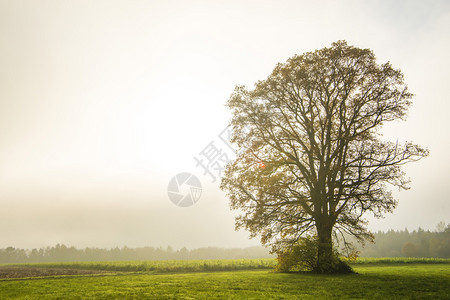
310	158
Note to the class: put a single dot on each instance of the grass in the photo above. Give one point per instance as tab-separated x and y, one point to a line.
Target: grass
400	260
163	266
188	266
376	279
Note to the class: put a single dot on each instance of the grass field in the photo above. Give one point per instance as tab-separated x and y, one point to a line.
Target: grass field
238	279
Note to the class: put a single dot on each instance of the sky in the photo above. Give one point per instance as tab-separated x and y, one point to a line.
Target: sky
102	103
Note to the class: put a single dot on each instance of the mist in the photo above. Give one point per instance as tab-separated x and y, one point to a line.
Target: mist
103	103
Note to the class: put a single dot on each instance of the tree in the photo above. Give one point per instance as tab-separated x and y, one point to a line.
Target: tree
440	227
310	159
409	250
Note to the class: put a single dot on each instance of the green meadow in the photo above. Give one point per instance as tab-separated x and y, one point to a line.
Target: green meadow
231	279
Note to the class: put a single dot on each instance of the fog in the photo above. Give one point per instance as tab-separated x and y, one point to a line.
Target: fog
103	103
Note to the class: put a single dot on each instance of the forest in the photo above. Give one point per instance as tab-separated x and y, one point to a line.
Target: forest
402	243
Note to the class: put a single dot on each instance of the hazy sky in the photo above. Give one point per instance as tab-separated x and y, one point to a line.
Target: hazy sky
103	102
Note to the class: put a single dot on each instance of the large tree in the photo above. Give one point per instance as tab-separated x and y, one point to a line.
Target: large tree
310	156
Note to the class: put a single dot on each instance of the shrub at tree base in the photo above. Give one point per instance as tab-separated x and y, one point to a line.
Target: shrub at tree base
302	256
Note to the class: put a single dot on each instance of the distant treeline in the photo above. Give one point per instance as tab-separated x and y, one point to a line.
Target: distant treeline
403	243
62	253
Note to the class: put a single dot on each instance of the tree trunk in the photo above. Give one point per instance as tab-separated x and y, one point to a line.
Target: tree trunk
324	249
